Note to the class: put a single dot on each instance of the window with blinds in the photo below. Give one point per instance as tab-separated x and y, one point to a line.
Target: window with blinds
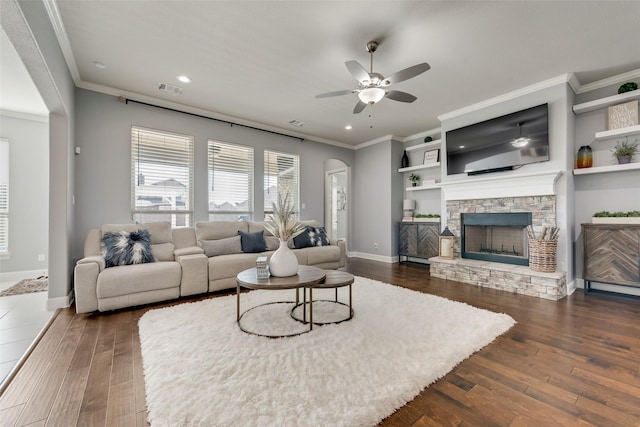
161	176
230	182
281	175
4	196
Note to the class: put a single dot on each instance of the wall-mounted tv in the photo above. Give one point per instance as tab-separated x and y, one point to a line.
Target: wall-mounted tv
499	144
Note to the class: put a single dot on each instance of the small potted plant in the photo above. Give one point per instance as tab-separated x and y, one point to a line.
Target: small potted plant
414	178
624	150
606	217
427	218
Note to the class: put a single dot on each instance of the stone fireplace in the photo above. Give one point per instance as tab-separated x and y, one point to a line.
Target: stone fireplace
496	255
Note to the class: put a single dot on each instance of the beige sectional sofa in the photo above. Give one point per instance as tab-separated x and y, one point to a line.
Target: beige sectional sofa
188	261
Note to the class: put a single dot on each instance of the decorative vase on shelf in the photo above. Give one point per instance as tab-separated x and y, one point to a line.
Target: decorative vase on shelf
585	157
283	262
624	160
405	160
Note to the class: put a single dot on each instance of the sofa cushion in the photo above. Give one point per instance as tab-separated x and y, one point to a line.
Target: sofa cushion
225	266
252	242
312	236
212	230
230	245
127	247
322	255
131	279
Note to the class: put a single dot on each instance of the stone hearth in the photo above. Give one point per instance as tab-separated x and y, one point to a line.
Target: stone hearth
508	277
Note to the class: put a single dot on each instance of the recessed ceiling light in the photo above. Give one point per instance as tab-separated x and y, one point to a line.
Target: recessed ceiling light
99	64
348	127
184	79
462	146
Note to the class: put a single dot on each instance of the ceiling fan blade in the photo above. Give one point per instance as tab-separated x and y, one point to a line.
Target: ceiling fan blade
336	93
358	71
397	95
406	74
359	107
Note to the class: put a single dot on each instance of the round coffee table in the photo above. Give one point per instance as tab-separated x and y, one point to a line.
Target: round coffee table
334	279
307	277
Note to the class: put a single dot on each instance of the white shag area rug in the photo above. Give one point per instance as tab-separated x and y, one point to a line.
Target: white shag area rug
200	369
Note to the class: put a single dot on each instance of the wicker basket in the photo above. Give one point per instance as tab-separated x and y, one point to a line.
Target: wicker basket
542	255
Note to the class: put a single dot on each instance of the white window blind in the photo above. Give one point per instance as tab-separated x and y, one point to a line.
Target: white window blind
230	181
4	196
281	175
161	176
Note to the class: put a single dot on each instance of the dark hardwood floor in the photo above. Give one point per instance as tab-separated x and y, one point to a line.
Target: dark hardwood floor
568	363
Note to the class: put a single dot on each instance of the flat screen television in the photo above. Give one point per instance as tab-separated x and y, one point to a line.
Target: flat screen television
499	144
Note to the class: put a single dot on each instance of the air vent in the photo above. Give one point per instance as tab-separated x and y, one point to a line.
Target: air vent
296	123
174	90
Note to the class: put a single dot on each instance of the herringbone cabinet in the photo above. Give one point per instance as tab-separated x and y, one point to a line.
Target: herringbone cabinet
418	240
611	254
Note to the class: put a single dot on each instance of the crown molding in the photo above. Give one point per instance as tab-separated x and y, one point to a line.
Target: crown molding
61	34
564	78
620	78
24	116
375	141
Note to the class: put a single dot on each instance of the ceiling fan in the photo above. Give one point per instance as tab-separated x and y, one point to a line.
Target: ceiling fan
372	86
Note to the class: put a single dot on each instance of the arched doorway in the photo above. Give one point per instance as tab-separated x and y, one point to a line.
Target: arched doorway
337	192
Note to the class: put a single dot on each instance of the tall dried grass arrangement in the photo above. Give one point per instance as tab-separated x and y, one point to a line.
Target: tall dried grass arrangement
282	223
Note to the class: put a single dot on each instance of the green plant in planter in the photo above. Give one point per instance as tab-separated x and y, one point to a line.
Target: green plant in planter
628	87
607	214
414	178
625	148
427	216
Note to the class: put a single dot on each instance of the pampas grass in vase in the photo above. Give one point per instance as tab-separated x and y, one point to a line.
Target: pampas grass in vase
284	226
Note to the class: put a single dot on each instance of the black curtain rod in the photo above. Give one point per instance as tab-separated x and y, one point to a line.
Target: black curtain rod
127	100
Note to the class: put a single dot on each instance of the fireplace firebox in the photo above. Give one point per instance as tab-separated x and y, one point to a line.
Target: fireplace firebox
497	237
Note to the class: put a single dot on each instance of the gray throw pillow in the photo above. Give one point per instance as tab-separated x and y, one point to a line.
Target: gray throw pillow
230	245
253	242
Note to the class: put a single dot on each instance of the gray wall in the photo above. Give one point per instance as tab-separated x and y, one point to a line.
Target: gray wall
103	169
28	192
377	200
28	27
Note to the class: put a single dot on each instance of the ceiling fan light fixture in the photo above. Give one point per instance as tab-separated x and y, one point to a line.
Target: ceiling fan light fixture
371	95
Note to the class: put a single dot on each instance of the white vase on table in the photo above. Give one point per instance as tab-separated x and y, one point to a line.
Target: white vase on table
283	262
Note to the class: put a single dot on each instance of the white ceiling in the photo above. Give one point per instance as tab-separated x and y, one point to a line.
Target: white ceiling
264	61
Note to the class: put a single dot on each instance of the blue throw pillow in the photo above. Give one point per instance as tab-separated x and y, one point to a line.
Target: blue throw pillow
126	248
252	242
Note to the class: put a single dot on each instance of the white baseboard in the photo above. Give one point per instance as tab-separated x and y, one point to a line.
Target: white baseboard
373	257
60	302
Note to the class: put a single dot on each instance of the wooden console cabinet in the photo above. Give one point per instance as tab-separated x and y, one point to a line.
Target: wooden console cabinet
611	254
418	240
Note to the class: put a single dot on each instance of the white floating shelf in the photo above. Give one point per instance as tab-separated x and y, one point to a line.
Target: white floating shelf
609	168
425	146
617	133
423	187
606	102
418	167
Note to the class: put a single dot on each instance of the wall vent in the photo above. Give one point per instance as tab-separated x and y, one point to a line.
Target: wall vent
296	123
174	90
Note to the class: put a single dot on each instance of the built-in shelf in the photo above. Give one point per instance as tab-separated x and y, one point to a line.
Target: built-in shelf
617	133
424	187
425	146
419	167
606	102
609	168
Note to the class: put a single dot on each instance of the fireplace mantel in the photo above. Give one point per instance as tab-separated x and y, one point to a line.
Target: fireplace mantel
520	185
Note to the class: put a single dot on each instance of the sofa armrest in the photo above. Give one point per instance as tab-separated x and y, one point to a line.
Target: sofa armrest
195	274
93	259
343	250
85	283
191	250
